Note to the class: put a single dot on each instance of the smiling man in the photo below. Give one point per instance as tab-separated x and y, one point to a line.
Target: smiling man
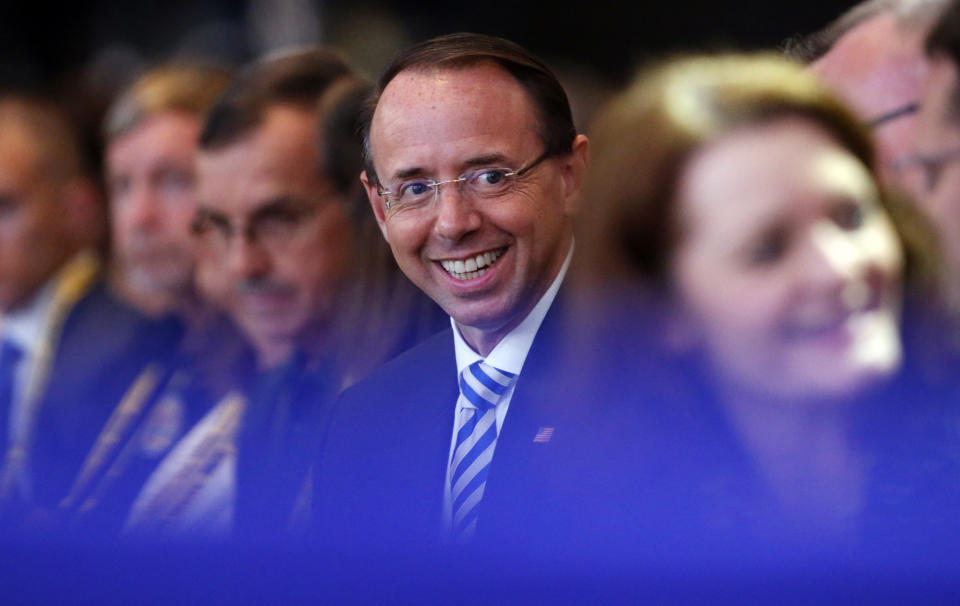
473	171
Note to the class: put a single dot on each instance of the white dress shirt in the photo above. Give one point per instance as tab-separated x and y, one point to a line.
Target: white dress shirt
508	355
26	327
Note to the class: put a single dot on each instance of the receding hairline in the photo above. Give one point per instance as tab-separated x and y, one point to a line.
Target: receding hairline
909	16
457	65
189	89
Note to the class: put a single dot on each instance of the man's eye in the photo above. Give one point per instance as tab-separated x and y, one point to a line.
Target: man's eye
414	189
174	182
8	204
207	226
119	186
490	177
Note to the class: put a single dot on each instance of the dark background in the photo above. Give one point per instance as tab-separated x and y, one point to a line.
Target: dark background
45	40
86	51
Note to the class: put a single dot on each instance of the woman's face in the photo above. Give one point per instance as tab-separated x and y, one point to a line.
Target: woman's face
788	273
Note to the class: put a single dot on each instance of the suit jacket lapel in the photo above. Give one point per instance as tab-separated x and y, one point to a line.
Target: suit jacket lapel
519	482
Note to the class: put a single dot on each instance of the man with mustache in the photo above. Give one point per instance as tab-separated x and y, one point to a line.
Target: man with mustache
281	248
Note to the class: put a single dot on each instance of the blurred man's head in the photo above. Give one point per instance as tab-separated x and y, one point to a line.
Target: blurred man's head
46	203
937	157
273	230
872	56
151	132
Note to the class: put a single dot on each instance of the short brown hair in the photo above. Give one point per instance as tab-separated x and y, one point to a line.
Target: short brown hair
457	51
908	13
190	89
297	78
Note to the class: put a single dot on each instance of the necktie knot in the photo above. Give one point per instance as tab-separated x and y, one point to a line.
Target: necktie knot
484	386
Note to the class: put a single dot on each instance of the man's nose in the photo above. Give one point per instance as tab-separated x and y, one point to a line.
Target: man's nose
141	208
456	214
246	255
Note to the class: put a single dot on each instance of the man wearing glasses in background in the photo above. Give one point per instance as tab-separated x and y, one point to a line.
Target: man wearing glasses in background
937	156
872	56
473	171
273	245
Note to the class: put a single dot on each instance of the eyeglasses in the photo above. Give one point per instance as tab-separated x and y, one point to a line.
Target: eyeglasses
274	225
907	110
482	183
929	166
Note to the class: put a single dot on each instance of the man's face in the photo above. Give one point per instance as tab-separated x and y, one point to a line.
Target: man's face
485	261
150	172
878	69
35	238
937	159
270	226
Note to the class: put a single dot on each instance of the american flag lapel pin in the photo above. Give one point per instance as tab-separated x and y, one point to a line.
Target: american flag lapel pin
543	435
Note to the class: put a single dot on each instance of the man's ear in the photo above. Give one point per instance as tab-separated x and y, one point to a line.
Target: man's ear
376	203
574	171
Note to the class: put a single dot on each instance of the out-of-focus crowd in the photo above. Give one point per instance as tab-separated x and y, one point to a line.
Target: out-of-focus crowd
426	317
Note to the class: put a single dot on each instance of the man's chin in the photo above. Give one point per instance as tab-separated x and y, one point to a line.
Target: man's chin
160	278
269	331
272	348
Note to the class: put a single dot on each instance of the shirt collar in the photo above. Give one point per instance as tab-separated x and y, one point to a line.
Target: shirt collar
511	352
25	325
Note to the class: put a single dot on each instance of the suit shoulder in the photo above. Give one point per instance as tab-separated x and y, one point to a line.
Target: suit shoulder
434	356
100	317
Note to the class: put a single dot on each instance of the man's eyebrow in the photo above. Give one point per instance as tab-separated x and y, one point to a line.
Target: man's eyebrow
206	215
406	173
906	110
208	212
417	171
279	204
485	160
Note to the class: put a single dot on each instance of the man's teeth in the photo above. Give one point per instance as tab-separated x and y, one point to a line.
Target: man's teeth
472	267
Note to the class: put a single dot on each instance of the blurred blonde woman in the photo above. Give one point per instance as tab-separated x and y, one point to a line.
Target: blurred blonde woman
737	230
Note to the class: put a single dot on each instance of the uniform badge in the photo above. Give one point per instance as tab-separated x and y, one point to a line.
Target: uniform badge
163	427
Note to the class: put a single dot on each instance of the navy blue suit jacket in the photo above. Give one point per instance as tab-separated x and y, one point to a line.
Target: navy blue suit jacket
103	346
593	486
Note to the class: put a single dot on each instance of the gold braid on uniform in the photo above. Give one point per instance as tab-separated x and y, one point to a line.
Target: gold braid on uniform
73	282
166	506
119	423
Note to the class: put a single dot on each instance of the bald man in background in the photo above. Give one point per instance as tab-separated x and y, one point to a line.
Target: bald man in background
872	56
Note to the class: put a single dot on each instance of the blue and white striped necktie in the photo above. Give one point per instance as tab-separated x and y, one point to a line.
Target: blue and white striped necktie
483	386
